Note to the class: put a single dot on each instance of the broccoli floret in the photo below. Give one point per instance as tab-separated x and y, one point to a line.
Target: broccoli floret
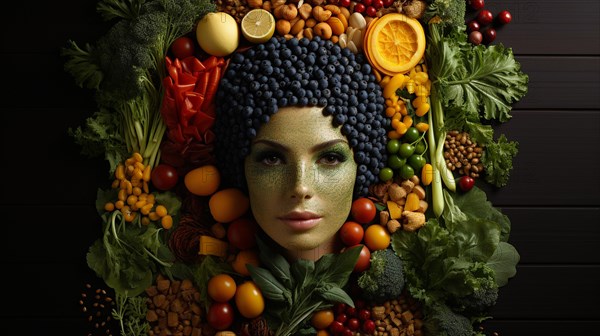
451	12
384	280
440	320
484	295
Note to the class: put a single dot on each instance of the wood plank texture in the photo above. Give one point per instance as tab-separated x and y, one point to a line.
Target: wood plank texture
49	189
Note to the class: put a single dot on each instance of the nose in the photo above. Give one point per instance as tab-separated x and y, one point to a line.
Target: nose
302	179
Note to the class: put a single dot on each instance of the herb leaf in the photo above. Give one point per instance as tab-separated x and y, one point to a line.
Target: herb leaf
497	160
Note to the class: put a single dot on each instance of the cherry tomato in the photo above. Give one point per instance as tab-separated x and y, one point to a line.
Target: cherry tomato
241	233
183	47
476	4
489	35
504	17
221	287
367	3
220	315
344	3
371	11
412	134
377	4
164	177
336	327
322	319
353	324
406	150
387	3
485	17
363	210
395	162
249	300
466	183
342	317
364	260
359	8
473	25
364	314
475	37
368	327
351	233
377	237
386	174
416	162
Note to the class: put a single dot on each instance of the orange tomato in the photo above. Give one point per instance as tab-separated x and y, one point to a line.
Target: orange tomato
377	237
322	319
228	204
249	256
249	300
203	181
221	287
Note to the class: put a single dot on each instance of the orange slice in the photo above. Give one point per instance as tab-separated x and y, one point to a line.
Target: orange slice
395	43
258	25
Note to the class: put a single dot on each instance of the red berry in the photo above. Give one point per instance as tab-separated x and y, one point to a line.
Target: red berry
336	327
489	35
368	327
473	25
359	303
504	17
377	4
350	311
387	3
347	332
364	314
466	183
341	317
476	4
340	308
485	17
353	324
371	11
344	3
359	8
475	37
367	3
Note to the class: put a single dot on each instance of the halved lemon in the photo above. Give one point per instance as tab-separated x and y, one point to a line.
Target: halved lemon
394	43
258	25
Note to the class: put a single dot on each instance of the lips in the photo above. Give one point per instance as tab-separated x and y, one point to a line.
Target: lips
300	220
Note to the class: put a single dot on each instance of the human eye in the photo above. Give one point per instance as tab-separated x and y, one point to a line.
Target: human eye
331	158
270	158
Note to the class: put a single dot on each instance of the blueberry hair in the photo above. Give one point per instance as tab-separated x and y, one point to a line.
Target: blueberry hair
300	72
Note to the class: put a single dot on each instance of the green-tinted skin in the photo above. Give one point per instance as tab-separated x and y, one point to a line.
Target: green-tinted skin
300	162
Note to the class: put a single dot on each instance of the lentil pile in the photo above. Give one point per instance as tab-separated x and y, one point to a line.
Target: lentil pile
462	154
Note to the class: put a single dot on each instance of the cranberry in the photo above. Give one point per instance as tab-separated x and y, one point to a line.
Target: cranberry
473	25
344	3
364	314
353	324
387	3
359	304
504	17
485	17
339	308
359	8
489	35
377	4
368	327
341	317
367	3
476	4
351	311
347	332
475	37
371	11
336	327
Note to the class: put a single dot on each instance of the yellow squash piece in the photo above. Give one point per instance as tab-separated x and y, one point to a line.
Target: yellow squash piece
212	246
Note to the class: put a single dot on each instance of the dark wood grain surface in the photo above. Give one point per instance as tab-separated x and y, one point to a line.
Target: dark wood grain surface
553	200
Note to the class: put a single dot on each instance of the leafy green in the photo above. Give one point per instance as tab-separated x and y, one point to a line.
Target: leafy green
130	312
203	271
294	291
128	255
497	160
503	263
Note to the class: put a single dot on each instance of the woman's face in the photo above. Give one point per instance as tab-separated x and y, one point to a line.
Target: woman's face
300	175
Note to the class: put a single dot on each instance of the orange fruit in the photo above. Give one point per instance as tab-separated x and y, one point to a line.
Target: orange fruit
202	181
228	204
322	319
394	43
249	300
244	257
221	287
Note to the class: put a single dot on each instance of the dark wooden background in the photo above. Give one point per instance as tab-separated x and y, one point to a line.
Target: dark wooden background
47	211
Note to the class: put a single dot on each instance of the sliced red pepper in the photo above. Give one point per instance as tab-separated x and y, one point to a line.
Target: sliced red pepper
203	121
202	83
213	84
209	137
211	62
192	65
192	131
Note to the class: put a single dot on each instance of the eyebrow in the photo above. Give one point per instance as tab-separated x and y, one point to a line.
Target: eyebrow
313	149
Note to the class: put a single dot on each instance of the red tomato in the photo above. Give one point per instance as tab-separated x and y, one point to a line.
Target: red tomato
241	233
476	4
220	315
485	17
363	210
351	233
183	47
504	17
364	260
466	183
489	35
164	177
